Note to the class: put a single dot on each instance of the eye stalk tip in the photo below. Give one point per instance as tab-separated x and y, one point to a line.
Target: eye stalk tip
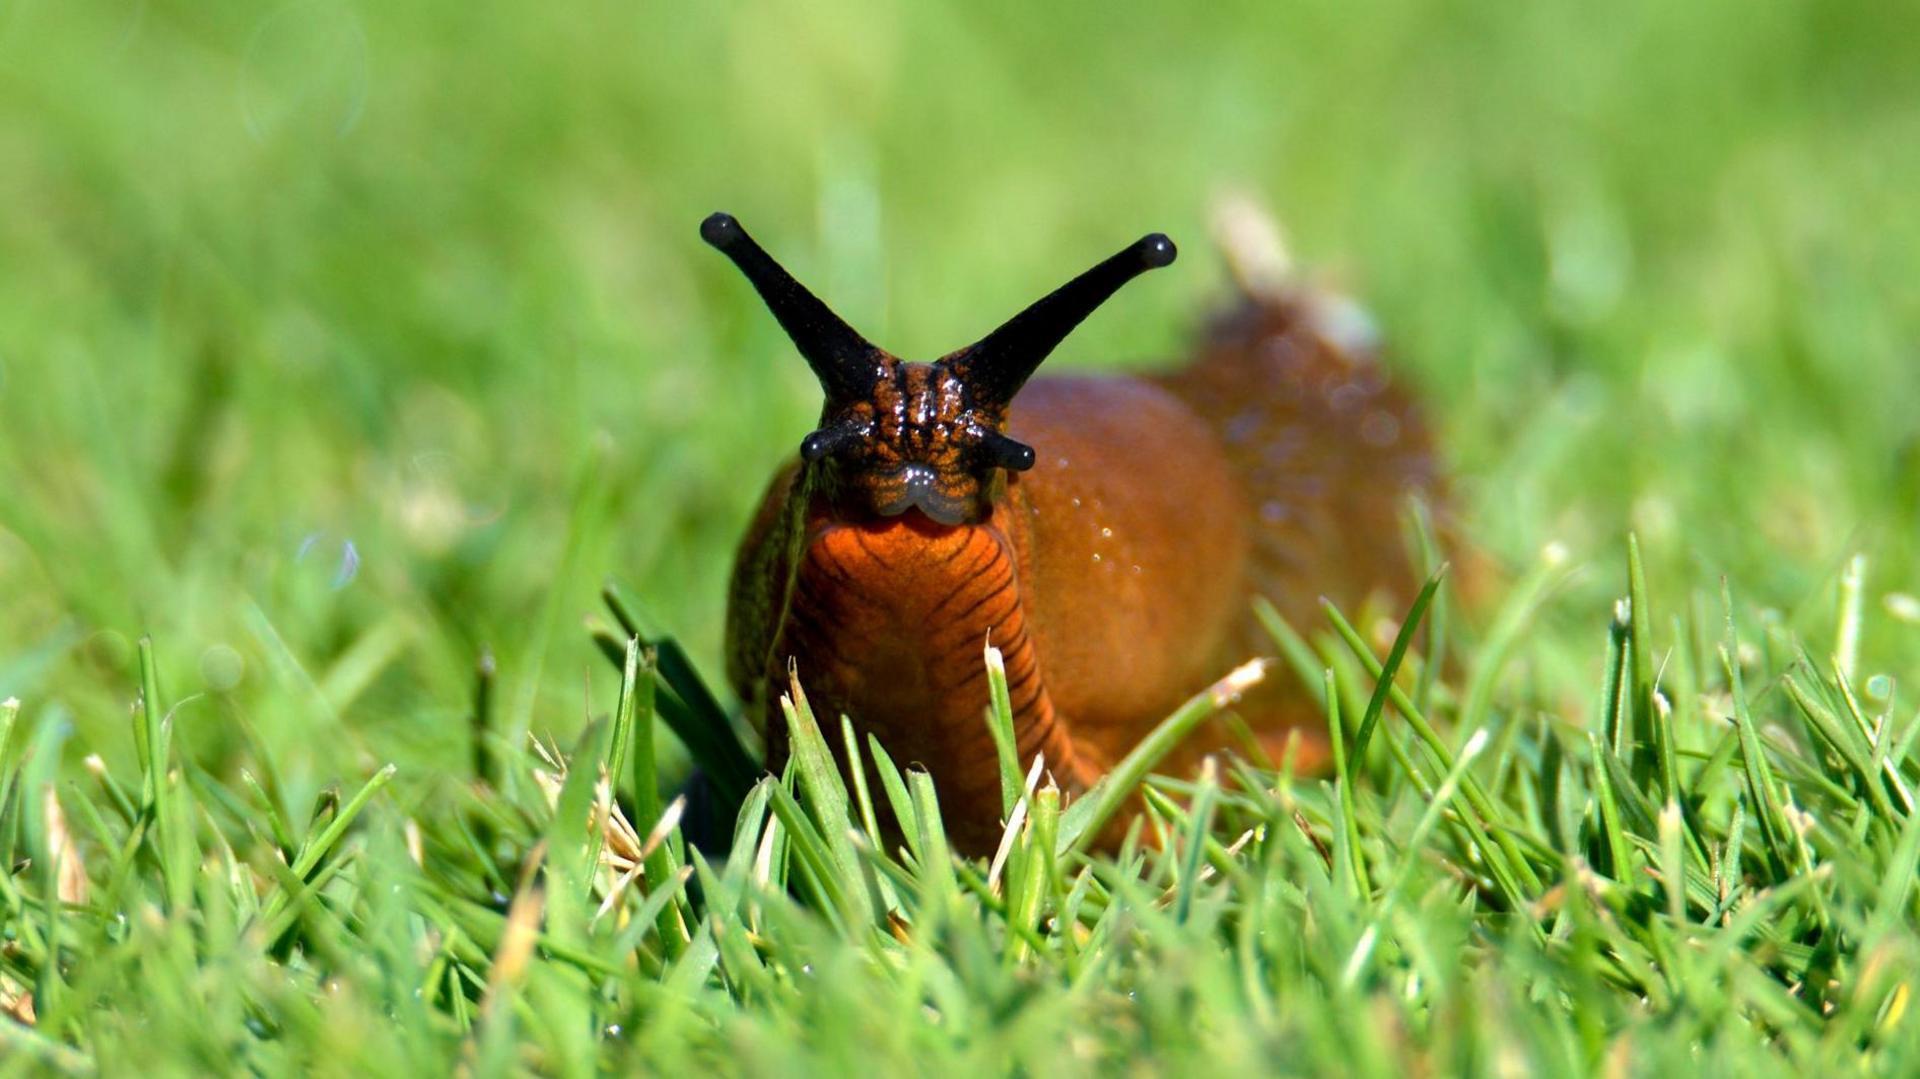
1156	250
815	446
721	230
828	441
1008	453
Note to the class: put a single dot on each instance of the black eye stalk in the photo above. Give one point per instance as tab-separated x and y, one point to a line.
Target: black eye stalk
996	366
847	364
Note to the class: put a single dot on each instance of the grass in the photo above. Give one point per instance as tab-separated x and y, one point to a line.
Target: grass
349	351
1536	892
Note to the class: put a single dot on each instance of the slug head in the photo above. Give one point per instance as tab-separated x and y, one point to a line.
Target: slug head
896	435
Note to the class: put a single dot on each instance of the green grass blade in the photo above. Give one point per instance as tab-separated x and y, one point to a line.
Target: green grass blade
857	768
1348	837
938	881
1383	685
1760	789
1198	832
157	799
319	846
824	789
1653	759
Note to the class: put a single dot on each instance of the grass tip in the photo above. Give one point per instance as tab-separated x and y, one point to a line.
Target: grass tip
1474	745
1238	681
669	820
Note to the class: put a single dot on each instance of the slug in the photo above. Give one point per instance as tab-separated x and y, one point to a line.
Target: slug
1106	532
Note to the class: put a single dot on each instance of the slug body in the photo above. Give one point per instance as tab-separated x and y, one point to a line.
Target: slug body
1106	533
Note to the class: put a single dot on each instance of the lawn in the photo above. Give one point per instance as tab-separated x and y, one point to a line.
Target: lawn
349	351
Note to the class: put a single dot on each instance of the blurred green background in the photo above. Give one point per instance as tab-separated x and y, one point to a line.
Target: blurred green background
338	340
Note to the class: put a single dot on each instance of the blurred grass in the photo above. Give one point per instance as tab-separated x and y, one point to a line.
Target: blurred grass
423	279
339	342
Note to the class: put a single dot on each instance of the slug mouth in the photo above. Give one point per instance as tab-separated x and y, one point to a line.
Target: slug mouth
918	487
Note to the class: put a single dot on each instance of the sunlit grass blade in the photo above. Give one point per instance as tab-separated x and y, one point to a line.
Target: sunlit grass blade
1000	724
1082	823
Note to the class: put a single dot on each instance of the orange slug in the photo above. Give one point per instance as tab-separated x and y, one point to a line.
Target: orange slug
1107	533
